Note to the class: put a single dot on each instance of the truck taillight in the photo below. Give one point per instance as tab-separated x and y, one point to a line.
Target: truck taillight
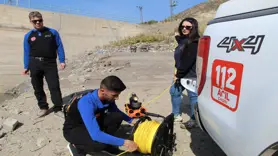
202	62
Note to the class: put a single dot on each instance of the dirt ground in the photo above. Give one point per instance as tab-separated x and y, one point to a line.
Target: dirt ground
145	73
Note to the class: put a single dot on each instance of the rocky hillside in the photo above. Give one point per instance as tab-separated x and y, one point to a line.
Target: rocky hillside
200	9
203	12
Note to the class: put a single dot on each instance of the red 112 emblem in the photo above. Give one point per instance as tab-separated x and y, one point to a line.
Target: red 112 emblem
226	83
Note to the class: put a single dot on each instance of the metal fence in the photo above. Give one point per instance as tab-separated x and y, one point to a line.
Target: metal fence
70	10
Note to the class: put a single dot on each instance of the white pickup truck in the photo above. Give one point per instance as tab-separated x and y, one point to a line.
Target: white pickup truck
237	67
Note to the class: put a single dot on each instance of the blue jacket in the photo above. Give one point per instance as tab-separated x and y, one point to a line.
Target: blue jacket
43	43
87	107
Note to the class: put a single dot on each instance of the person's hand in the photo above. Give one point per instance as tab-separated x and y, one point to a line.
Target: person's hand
130	145
25	72
175	78
62	66
177	84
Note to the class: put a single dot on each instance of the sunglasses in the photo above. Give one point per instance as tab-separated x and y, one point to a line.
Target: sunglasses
186	27
35	21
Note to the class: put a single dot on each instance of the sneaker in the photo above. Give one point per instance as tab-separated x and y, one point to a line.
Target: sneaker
59	114
112	150
73	150
178	118
42	112
189	124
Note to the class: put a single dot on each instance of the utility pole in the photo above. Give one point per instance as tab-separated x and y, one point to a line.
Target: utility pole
171	10
172	5
141	13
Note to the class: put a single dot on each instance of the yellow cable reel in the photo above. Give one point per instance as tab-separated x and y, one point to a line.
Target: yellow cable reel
152	137
144	136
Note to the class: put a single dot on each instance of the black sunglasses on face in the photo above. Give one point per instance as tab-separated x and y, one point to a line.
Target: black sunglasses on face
186	27
35	21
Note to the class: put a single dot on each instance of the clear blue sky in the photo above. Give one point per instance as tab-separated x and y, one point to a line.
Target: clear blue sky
125	10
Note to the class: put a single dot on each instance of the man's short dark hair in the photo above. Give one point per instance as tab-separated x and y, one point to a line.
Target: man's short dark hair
113	83
34	14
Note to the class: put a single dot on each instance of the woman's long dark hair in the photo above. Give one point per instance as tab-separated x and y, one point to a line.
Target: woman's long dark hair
194	33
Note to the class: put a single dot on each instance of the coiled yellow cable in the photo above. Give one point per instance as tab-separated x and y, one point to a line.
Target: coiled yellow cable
144	136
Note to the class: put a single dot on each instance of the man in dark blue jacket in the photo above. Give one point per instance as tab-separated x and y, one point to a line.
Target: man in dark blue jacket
41	45
91	122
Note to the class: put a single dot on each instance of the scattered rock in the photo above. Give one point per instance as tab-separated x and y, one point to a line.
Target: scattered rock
41	142
10	124
2	141
90	52
144	48
26	113
157	47
100	51
87	77
85	65
107	64
2	134
82	79
15	111
133	49
89	70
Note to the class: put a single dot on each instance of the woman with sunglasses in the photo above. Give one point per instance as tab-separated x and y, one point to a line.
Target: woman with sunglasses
185	67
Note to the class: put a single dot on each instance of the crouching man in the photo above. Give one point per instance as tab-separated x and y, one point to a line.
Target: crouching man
91	122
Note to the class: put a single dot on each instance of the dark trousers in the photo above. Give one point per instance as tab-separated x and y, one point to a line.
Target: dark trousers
48	69
81	138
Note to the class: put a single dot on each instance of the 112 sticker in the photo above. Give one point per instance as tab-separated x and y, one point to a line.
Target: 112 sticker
226	83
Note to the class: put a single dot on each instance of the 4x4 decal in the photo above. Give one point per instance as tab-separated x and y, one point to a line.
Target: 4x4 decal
252	42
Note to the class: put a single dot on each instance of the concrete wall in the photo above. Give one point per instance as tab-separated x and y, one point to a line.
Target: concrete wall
78	34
